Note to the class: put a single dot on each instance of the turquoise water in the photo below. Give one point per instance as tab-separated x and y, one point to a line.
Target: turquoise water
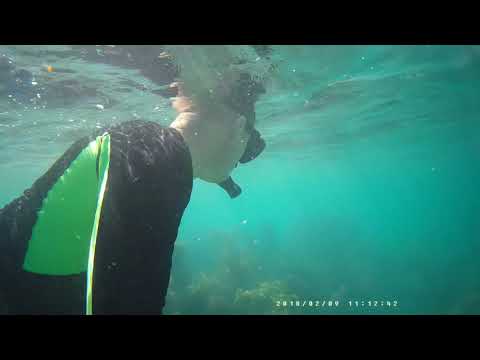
367	191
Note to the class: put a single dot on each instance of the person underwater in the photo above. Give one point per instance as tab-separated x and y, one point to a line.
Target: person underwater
95	233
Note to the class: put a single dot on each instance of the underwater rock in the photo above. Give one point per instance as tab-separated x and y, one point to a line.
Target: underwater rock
67	92
17	83
6	70
123	90
263	50
145	58
6	64
132	84
23	88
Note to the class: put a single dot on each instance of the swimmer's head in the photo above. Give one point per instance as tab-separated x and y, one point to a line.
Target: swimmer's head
241	98
219	129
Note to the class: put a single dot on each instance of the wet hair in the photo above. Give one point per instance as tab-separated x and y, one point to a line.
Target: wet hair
242	98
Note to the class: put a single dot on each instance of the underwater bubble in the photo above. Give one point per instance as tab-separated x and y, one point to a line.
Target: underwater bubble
244	221
99	106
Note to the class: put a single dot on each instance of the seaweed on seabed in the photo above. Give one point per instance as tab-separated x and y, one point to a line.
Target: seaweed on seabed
264	299
197	295
211	295
207	295
236	286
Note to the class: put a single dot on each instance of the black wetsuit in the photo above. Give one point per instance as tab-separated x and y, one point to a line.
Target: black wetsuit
149	186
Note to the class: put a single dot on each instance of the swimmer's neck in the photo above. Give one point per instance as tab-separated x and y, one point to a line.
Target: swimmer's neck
192	129
214	145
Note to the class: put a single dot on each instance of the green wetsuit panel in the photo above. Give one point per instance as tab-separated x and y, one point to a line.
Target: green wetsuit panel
61	238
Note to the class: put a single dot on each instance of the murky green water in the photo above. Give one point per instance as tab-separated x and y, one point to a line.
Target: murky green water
368	191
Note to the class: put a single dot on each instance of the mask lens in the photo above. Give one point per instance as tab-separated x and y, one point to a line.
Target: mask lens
255	147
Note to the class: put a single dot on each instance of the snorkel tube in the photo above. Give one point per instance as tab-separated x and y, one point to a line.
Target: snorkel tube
231	187
255	147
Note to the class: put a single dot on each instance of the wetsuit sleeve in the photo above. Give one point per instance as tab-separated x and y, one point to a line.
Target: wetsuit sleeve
24	292
149	187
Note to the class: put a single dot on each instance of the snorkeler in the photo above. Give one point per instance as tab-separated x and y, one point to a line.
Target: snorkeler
95	234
